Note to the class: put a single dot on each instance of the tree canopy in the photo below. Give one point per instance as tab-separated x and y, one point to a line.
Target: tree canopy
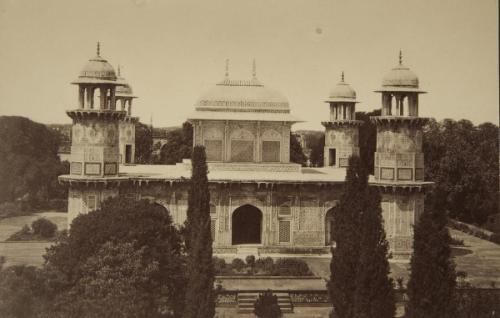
296	152
179	145
30	166
143	144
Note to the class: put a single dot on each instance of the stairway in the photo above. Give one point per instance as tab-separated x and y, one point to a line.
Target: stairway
246	302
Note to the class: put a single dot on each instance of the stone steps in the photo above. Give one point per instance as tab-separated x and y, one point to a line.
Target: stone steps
246	302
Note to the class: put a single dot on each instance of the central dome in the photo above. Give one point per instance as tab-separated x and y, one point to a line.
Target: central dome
243	95
400	76
342	92
97	71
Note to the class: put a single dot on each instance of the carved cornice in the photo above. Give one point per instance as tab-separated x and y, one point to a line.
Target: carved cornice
342	123
85	114
394	121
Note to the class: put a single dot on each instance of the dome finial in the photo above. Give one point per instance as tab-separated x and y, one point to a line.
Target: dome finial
227	68
342	77
98	48
254	69
400	57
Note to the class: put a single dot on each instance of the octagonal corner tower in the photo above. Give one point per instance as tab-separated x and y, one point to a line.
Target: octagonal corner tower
342	130
399	158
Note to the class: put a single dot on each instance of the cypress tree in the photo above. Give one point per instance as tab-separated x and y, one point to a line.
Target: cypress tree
200	297
374	295
345	256
431	287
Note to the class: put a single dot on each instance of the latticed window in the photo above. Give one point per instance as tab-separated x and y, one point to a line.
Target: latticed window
241	150
212	229
284	231
270	151
213	149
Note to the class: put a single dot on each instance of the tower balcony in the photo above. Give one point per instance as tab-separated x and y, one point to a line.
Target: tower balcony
396	121
342	123
100	114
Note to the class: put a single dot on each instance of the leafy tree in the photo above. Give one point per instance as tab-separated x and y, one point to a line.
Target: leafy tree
43	227
345	256
433	279
367	138
463	161
115	282
200	300
147	227
296	151
29	165
266	306
179	145
374	295
143	143
317	144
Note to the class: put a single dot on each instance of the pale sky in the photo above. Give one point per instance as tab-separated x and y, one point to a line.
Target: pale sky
173	51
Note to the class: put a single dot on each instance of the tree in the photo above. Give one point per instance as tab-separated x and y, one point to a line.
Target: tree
143	143
115	282
43	227
345	256
463	161
147	227
374	295
296	151
367	138
431	287
266	306
178	146
200	298
317	144
29	165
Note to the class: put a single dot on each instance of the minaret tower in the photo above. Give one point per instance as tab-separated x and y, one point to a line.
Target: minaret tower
341	132
399	159
124	97
95	154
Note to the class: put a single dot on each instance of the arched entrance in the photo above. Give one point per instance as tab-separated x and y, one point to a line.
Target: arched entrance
329	226
246	225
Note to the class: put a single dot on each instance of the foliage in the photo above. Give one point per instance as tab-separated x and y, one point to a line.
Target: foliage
238	264
146	226
478	302
463	161
345	257
266	306
29	165
24	234
250	260
316	142
17	208
473	230
179	145
367	138
115	282
265	265
143	143
433	279
374	296
296	152
291	267
43	227
200	298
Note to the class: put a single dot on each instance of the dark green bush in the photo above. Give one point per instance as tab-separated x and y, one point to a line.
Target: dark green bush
21	235
265	265
291	267
44	228
220	266
495	238
237	264
250	260
266	306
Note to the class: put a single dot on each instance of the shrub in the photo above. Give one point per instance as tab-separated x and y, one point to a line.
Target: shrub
265	265
250	260
495	238
457	242
44	228
266	306
291	267
220	266
21	235
237	264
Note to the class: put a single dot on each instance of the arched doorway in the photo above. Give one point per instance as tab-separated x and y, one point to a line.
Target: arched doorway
329	226
246	225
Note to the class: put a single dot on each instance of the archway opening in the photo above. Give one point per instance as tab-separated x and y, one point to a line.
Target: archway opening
330	226
246	225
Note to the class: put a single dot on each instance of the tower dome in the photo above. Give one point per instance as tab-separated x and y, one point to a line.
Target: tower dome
124	89
342	92
97	70
401	79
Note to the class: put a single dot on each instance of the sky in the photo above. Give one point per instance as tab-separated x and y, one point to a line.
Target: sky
171	52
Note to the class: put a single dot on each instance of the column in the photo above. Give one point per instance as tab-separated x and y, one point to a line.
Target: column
226	137
258	147
90	96
103	98
130	106
112	98
81	96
